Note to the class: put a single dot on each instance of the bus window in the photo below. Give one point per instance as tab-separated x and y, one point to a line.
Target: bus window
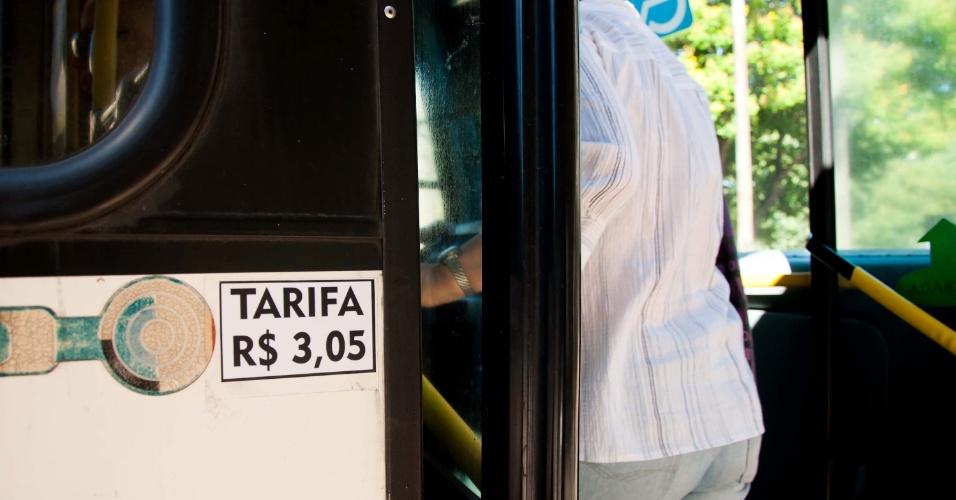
449	145
765	157
72	69
834	367
894	84
892	88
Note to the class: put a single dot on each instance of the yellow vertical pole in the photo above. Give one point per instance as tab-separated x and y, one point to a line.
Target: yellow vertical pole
104	52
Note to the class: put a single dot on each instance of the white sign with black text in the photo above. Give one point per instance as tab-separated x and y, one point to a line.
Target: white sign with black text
279	329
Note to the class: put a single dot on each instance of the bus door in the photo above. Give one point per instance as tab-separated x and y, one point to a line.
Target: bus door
210	259
207	247
496	89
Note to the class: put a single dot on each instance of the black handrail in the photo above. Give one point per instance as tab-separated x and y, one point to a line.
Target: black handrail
143	147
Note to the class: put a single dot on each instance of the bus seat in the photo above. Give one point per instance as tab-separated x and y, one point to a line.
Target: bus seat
790	451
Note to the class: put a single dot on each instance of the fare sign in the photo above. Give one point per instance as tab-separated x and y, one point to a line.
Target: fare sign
281	329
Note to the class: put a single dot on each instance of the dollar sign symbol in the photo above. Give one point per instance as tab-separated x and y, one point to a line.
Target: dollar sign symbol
271	354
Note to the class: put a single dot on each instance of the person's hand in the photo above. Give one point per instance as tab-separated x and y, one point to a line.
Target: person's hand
438	283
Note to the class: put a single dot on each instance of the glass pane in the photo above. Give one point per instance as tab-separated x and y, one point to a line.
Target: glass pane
773	95
71	70
449	175
893	70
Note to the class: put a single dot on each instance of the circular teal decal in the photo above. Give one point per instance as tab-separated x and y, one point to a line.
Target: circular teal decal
157	335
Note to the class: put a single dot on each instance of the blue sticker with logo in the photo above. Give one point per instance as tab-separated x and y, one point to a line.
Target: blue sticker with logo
665	16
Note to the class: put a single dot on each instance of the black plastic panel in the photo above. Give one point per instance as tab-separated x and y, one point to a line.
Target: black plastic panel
174	255
294	125
271	136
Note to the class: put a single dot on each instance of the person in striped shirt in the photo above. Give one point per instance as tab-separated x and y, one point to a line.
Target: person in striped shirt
669	405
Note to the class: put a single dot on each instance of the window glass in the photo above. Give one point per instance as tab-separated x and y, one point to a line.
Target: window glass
449	154
893	72
775	195
71	70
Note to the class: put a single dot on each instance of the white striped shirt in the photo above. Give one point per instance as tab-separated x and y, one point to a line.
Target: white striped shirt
663	370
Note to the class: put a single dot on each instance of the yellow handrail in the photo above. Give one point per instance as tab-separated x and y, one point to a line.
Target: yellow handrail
462	442
791	280
906	310
886	296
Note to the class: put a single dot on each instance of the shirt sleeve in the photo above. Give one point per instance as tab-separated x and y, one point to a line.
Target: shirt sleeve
608	148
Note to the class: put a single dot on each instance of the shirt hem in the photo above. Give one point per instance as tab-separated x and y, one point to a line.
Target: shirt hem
637	457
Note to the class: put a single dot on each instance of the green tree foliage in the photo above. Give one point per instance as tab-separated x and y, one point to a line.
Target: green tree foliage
903	205
776	105
893	68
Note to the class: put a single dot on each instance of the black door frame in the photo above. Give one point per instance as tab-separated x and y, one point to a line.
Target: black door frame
532	261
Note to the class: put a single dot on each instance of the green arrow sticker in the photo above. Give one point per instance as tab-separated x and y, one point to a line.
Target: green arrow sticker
934	286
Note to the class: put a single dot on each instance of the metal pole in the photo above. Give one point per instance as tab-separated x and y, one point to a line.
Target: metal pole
744	161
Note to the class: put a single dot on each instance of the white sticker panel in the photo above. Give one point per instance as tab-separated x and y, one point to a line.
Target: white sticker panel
128	386
296	328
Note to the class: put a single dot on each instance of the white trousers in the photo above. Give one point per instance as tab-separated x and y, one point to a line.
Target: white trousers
722	473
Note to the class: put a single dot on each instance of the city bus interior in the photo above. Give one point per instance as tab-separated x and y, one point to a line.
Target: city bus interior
243	136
